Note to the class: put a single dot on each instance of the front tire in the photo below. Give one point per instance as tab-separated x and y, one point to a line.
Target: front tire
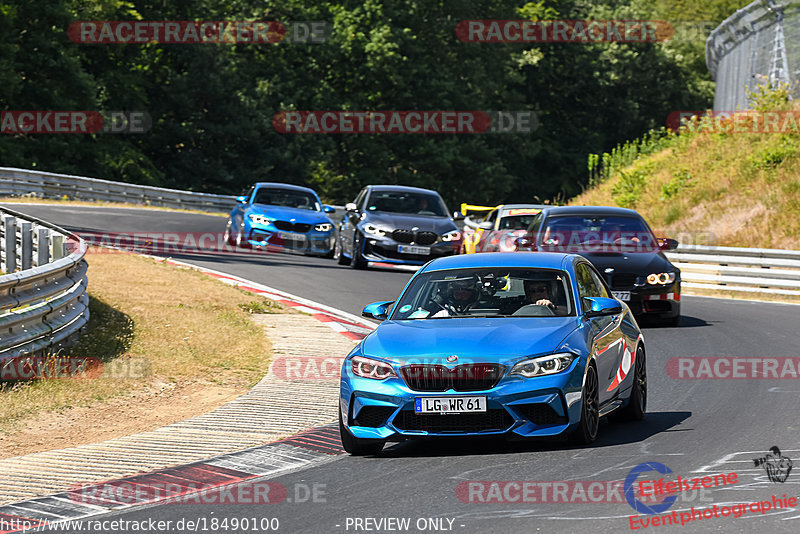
357	446
228	237
358	261
637	406
590	410
341	259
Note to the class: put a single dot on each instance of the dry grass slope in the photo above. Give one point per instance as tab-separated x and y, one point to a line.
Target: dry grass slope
738	189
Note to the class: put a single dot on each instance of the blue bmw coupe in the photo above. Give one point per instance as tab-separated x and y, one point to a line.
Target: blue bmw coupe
281	217
506	344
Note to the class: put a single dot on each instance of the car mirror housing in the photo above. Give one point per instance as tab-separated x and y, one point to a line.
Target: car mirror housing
665	243
486	225
328	209
601	306
242	199
377	310
350	206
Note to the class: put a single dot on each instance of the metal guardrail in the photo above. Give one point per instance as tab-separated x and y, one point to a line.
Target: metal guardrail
43	301
750	270
18	182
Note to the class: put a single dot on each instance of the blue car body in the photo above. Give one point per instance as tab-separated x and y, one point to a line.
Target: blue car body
384	410
307	229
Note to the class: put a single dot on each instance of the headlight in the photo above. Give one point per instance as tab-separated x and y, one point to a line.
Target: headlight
452	236
374	230
369	368
543	365
259	219
660	278
324	227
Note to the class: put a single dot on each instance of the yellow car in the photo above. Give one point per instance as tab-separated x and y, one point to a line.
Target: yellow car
499	229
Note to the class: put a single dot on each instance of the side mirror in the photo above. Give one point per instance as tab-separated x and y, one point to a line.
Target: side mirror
328	209
665	243
601	306
458	216
522	243
242	199
486	225
350	206
377	310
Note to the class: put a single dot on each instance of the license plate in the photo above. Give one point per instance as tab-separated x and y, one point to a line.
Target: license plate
622	295
406	249
287	236
449	404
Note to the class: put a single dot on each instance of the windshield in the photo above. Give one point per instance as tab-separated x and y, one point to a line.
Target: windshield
406	202
486	292
290	198
591	233
516	222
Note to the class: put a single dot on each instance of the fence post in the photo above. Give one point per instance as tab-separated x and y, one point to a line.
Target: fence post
58	247
42	246
10	237
27	245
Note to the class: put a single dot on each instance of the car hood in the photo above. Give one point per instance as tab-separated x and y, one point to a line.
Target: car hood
499	340
287	214
440	225
642	263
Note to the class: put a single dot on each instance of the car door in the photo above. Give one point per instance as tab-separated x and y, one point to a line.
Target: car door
604	335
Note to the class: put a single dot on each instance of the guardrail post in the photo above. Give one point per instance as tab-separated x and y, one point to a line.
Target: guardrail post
42	246
10	238
26	258
58	247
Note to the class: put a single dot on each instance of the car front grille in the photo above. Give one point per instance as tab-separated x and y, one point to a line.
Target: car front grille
292	227
403	236
490	420
426	238
540	414
419	238
468	377
623	281
373	416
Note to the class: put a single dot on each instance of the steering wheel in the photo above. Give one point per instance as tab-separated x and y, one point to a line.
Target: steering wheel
535	310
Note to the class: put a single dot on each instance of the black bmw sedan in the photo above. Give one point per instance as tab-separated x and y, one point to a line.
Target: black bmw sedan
395	225
621	245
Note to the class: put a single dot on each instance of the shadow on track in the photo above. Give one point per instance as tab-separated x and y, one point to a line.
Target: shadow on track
687	321
611	433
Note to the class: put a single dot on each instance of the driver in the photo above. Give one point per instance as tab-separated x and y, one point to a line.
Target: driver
460	296
538	292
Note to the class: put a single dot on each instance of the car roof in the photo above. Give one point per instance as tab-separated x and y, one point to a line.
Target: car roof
406	188
541	260
285	186
591	210
504	207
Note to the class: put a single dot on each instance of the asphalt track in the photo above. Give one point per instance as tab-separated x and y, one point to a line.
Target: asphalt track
692	426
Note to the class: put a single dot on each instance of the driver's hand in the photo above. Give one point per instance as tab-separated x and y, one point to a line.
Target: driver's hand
545	302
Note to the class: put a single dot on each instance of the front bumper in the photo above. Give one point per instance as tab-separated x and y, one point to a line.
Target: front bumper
660	302
385	249
311	242
516	407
